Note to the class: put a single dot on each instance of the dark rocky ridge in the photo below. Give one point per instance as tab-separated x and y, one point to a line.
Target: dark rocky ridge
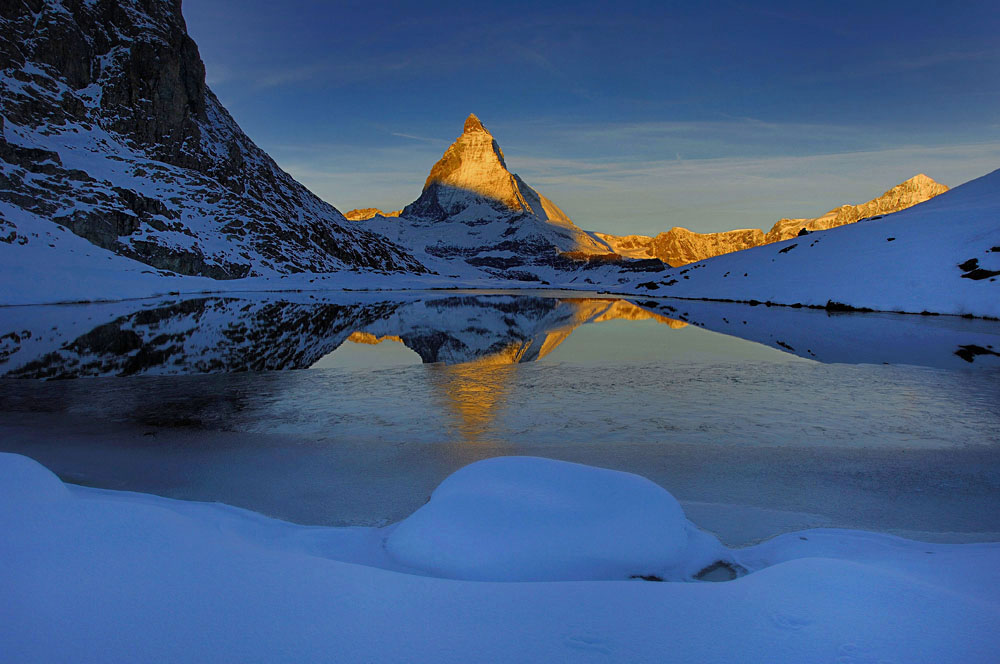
108	128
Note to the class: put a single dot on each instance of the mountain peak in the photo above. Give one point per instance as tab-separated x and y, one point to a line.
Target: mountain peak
923	180
919	187
471	183
472	123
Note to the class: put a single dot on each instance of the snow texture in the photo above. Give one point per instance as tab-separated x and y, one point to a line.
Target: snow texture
531	519
99	576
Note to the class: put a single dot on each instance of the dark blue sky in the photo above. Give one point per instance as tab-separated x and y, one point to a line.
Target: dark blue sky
632	116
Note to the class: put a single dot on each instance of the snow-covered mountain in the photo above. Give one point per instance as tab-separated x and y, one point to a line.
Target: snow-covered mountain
108	130
941	256
680	246
474	210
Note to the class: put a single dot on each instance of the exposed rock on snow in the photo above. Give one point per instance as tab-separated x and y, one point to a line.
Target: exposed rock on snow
631	246
916	190
108	129
679	246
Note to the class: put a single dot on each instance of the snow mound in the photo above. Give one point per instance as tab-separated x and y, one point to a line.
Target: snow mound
24	479
534	519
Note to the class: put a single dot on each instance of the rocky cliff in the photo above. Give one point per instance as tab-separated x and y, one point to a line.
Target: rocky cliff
108	129
679	246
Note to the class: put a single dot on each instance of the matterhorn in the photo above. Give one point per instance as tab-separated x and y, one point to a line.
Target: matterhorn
473	209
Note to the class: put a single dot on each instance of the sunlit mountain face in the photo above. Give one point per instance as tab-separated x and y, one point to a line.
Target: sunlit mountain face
474	210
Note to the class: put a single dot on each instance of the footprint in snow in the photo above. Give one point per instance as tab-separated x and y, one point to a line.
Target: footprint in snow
788	621
852	653
588	642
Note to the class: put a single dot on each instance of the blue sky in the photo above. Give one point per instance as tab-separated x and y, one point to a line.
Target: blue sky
632	116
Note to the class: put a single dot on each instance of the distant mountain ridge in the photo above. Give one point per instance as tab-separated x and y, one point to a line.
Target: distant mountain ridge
940	257
108	130
470	189
367	213
680	246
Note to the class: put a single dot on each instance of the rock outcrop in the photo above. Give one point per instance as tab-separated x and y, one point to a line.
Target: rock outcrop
630	246
679	246
108	129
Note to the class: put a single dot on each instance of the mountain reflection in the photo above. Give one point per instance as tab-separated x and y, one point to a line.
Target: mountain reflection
238	334
471	346
493	330
227	334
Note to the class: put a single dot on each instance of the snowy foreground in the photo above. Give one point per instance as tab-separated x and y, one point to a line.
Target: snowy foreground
102	576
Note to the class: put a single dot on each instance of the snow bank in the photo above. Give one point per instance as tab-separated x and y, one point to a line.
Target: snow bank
28	481
102	576
532	519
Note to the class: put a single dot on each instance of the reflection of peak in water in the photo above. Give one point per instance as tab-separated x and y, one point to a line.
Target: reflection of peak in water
500	335
226	334
625	310
474	389
470	391
474	392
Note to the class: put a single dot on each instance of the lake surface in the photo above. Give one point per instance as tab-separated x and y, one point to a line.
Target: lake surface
349	408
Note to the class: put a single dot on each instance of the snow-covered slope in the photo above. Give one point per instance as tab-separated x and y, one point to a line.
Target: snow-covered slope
473	211
942	256
100	576
108	130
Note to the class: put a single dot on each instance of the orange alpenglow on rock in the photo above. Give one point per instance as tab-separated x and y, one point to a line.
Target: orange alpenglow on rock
916	190
474	164
679	246
362	214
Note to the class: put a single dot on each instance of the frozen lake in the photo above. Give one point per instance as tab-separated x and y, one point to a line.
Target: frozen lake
349	408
